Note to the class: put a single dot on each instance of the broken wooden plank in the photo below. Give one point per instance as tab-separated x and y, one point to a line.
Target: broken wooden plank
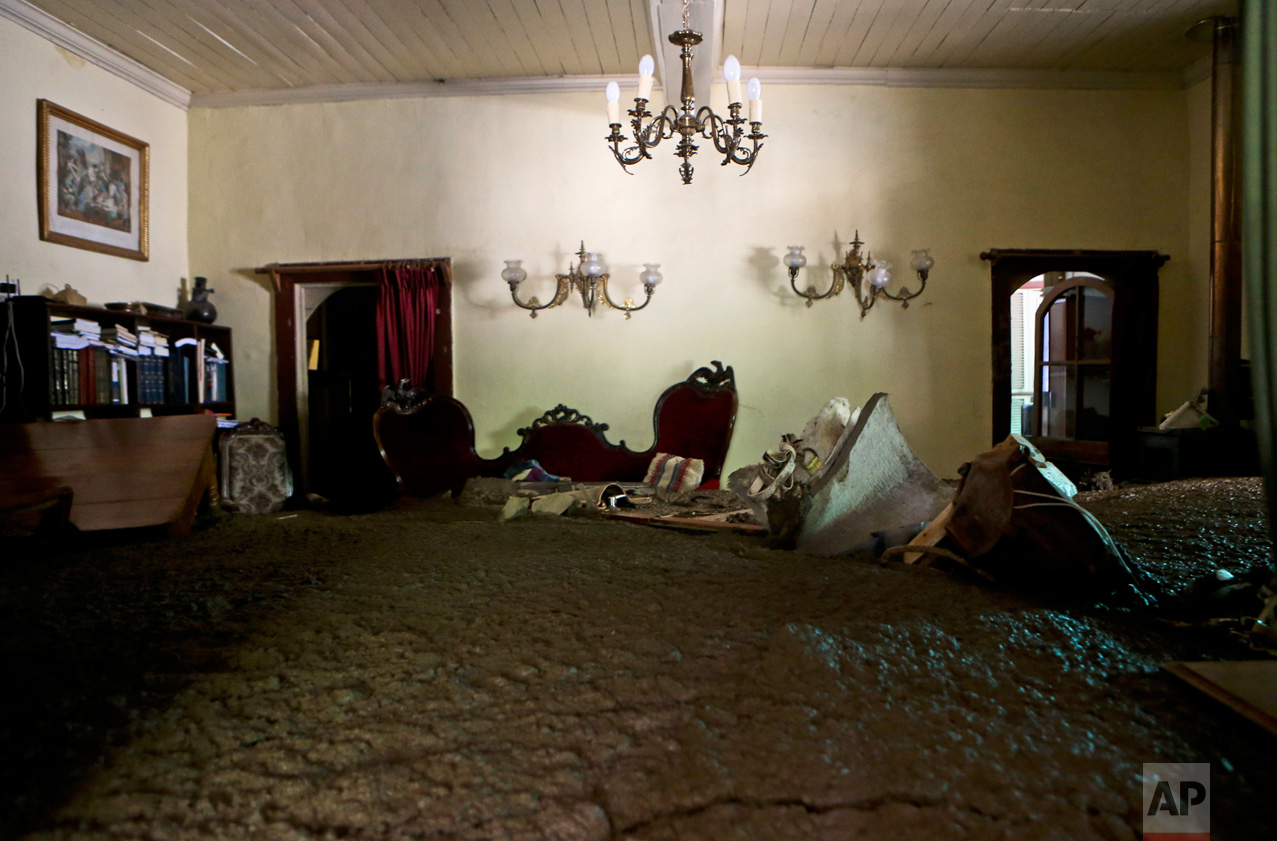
930	536
711	523
1248	687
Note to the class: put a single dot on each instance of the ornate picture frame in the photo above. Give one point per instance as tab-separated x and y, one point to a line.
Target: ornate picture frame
93	184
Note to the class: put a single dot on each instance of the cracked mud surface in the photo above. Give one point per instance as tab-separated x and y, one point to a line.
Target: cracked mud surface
426	672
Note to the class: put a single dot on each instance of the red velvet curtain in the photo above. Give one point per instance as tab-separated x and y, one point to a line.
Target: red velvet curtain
406	323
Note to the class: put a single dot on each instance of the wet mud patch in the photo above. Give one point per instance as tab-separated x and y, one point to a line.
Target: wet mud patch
425	671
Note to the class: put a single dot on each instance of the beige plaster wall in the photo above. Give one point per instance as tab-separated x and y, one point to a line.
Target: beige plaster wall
481	179
32	68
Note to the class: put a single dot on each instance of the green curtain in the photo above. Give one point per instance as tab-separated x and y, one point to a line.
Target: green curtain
1259	216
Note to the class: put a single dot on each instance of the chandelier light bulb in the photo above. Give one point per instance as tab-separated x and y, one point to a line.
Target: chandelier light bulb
731	72
755	91
647	66
613	95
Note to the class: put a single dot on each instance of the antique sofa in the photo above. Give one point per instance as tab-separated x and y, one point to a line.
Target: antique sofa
428	440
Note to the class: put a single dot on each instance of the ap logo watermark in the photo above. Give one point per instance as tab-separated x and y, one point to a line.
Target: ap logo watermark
1176	801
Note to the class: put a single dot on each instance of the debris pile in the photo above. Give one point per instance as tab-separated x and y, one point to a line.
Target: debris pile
849	483
847	478
1013	520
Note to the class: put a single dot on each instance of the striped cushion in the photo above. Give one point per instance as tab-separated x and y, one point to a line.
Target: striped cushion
674	473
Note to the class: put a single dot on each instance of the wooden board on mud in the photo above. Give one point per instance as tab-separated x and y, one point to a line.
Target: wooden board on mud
706	523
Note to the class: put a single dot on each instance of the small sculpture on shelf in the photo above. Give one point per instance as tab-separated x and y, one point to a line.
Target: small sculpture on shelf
67	295
201	308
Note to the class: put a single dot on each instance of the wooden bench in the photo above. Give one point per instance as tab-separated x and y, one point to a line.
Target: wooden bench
120	473
428	440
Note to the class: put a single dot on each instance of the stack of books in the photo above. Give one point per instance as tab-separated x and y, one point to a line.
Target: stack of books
74	379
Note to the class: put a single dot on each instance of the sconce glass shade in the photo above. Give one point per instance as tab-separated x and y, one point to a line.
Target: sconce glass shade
795	259
650	276
514	272
880	274
593	265
922	260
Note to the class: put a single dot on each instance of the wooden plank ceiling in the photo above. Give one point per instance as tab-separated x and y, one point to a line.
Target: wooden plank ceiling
211	46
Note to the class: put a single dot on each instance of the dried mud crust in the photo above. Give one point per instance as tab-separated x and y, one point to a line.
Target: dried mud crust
427	672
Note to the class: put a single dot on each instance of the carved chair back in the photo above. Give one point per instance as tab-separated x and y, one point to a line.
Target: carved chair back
428	440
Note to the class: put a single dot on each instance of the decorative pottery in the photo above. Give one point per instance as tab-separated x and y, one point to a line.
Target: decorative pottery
201	308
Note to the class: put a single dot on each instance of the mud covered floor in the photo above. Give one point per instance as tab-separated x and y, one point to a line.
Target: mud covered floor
427	672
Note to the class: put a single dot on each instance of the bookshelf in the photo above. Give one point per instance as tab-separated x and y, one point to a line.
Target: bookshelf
61	358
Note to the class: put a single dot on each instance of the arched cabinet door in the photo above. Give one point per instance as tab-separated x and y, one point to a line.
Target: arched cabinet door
1094	372
1073	382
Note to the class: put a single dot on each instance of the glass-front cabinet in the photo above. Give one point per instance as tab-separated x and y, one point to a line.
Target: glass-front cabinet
1074	357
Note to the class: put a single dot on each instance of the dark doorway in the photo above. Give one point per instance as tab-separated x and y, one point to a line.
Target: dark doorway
336	304
343	394
1090	379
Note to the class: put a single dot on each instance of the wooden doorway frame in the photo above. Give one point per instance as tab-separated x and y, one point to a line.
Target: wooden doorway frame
286	278
1134	278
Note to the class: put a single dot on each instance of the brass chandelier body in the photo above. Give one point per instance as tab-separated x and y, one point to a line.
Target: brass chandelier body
687	121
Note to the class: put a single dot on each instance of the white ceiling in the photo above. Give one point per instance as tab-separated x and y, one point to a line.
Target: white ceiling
216	48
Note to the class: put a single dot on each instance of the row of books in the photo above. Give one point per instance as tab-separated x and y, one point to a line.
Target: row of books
95	365
87	376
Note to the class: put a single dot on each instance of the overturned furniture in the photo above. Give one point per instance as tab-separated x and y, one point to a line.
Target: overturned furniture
119	473
428	440
847	477
1014	521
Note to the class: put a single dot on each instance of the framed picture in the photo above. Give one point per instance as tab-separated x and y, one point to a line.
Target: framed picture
93	182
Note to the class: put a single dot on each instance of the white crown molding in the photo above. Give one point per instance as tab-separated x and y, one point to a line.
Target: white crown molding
409	90
870	76
95	52
945	77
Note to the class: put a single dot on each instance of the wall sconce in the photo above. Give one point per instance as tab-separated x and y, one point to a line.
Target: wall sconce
855	271
589	277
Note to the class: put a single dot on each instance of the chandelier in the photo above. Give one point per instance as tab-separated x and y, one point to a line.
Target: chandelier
728	135
860	273
589	278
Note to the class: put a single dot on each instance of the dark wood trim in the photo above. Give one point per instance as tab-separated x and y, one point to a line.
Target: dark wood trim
286	277
1134	278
